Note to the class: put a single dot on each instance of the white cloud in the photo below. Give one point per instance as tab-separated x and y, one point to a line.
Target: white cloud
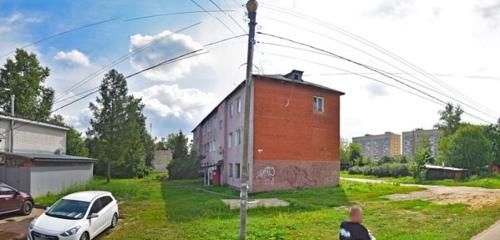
16	20
73	56
171	101
156	48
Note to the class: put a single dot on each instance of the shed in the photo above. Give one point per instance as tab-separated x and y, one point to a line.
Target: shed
43	173
494	168
435	172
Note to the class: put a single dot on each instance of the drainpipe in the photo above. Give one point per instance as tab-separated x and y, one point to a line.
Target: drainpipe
11	139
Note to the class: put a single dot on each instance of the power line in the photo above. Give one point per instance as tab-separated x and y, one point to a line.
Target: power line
114	63
405	73
213	16
418	84
176	13
229	15
60	33
206	45
362	65
175	59
366	42
354	73
187	55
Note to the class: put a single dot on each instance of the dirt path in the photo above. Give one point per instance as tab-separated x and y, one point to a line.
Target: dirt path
475	197
16	227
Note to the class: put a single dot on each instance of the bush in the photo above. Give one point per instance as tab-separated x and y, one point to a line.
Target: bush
184	168
383	170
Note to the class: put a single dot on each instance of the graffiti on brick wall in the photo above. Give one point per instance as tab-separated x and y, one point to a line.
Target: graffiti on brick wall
266	175
299	177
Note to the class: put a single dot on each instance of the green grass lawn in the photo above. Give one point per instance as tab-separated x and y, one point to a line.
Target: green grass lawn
474	181
155	209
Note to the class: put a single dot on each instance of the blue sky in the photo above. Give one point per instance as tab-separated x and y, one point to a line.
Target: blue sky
451	40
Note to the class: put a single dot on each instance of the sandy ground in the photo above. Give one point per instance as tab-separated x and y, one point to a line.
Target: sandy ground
255	203
15	227
475	197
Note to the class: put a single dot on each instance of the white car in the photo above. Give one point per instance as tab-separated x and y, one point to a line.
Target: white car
78	216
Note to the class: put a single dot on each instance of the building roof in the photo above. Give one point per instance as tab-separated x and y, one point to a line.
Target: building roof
376	135
6	116
50	157
299	82
430	166
86	196
277	77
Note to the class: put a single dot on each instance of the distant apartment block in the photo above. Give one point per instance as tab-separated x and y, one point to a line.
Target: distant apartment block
411	140
294	135
378	146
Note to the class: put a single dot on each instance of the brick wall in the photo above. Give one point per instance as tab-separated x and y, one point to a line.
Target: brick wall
294	146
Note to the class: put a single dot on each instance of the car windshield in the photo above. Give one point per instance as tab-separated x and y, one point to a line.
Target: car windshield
68	209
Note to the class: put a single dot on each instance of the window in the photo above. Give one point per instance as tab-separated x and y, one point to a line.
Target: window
96	207
318	104
220	124
238	137
231	110
238	105
230	170
105	201
230	142
6	191
237	166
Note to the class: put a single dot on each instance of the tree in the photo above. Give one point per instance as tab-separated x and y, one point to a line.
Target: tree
422	157
450	119
57	120
183	165
108	122
449	122
117	136
178	144
469	148
354	153
135	157
344	151
24	77
423	148
75	143
492	132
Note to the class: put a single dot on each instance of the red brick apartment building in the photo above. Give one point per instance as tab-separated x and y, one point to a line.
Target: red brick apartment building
294	135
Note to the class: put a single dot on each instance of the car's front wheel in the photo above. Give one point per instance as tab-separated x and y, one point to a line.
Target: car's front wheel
85	236
27	207
114	220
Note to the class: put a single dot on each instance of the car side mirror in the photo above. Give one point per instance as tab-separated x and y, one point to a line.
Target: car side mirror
93	215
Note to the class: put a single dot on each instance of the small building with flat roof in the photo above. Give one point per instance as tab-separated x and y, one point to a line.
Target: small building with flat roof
33	159
435	172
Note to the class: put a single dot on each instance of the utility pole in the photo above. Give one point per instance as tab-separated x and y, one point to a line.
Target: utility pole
252	15
12	114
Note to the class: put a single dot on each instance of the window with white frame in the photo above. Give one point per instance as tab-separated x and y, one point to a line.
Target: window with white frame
231	170
230	140
238	170
238	105
319	104
231	110
238	137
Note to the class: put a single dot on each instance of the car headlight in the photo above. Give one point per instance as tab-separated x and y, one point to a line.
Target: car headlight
71	231
32	224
